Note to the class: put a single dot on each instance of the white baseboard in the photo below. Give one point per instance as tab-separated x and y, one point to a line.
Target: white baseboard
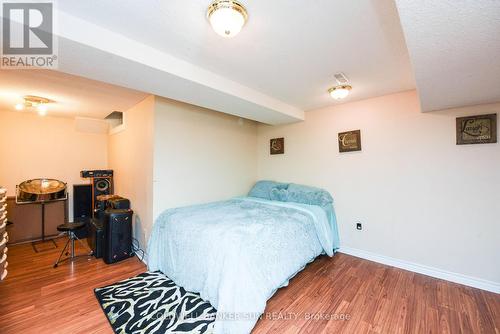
144	259
425	270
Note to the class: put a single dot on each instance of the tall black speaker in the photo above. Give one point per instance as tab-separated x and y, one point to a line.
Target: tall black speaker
117	235
82	201
82	206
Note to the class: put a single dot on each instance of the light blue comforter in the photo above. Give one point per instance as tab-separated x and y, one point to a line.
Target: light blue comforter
237	253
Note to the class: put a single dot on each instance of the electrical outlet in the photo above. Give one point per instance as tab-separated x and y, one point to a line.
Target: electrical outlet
359	226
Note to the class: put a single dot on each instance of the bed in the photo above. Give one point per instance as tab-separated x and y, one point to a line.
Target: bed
237	253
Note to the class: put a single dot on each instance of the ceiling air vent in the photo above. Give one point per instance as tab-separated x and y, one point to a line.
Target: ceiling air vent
115	119
341	79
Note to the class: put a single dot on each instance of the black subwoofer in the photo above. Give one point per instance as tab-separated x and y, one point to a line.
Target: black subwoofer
117	235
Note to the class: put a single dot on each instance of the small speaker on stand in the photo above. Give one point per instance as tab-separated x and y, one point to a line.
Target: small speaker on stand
102	184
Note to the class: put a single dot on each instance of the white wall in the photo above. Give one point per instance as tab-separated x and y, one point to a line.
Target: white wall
201	155
52	147
174	154
131	158
420	197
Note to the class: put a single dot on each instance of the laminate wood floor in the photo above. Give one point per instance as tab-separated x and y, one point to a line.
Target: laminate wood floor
340	295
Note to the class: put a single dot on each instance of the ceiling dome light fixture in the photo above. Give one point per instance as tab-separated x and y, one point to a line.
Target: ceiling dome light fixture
339	92
227	17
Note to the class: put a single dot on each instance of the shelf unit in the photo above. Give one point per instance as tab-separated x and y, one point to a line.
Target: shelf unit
4	238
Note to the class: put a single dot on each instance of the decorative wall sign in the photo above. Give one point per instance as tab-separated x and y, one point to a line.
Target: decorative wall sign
277	146
478	129
350	141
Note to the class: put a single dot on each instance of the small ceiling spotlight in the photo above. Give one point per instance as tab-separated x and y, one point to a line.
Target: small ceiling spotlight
34	102
342	89
41	109
227	17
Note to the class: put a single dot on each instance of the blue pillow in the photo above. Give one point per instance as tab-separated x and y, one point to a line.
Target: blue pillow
262	189
278	194
308	195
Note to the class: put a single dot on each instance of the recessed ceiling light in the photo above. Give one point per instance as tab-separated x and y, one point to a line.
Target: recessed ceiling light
339	92
227	17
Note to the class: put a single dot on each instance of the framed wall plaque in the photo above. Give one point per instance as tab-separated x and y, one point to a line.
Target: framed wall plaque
277	146
350	141
478	129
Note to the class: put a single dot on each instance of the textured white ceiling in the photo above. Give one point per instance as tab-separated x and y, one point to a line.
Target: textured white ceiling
279	65
289	49
455	50
73	96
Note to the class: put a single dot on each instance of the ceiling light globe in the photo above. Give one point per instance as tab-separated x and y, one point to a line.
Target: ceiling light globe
227	17
340	92
19	106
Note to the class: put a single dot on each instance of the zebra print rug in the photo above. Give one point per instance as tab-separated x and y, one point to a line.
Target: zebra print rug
152	303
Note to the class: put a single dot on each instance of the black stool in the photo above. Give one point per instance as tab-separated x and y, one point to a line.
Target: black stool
70	229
